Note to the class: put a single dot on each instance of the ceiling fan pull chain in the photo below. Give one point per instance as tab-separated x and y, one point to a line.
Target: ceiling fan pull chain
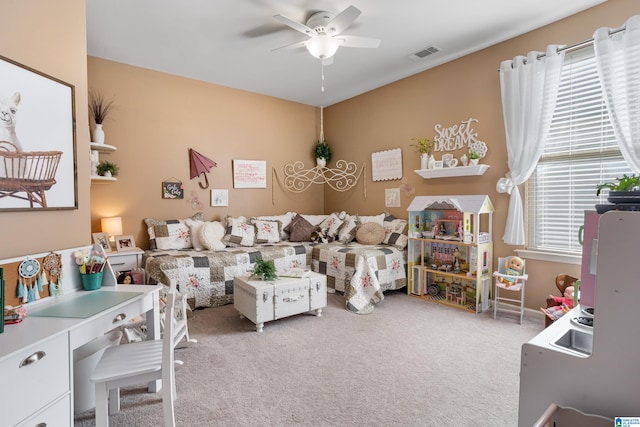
322	74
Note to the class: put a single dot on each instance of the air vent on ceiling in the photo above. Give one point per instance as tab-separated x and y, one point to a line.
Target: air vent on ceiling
425	52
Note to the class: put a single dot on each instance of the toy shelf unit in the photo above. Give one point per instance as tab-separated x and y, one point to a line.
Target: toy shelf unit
450	250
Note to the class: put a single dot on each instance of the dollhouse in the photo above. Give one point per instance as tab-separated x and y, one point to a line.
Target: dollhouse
450	250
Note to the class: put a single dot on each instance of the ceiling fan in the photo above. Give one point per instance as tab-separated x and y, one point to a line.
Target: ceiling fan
324	30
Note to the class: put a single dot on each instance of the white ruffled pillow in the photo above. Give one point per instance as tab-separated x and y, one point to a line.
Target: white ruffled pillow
194	227
267	231
285	220
211	234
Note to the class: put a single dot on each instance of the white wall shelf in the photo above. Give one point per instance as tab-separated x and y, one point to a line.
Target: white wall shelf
450	172
96	149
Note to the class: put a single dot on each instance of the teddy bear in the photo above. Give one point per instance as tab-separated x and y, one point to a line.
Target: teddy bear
513	267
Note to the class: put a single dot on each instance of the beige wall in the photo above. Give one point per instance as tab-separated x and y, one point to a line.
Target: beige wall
468	87
158	117
49	37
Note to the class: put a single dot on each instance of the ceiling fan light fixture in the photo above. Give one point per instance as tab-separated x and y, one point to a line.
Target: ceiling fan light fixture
322	46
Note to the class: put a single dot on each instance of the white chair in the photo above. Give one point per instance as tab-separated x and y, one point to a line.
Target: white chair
510	277
136	363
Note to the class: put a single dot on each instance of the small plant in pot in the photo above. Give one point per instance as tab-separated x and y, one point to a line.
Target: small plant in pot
107	169
265	270
474	157
423	145
625	189
322	153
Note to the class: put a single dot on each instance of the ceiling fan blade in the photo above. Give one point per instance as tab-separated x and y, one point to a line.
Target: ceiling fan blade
294	24
291	46
342	20
357	41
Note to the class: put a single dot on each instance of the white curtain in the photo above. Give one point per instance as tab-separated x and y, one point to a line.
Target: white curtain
529	90
618	59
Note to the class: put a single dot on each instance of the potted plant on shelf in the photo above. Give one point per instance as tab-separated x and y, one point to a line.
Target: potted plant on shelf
474	158
424	146
322	153
99	108
107	169
625	189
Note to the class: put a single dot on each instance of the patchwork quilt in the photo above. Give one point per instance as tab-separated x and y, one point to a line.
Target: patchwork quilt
205	278
361	272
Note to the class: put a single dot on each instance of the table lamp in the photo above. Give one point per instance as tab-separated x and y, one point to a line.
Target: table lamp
113	227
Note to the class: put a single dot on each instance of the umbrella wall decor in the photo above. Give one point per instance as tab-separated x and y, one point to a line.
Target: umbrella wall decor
200	165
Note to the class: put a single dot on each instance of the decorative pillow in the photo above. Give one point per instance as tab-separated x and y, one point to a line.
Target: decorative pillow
150	222
267	231
194	230
300	229
211	234
378	219
314	219
347	231
239	232
370	233
172	236
395	232
285	219
331	225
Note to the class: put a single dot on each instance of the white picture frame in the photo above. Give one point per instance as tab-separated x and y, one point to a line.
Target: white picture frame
386	165
249	174
219	197
392	197
438	164
125	243
446	158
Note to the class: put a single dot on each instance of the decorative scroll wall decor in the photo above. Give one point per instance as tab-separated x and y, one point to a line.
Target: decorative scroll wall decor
457	136
344	177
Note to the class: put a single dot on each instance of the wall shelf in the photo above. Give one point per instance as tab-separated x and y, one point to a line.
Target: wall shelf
450	172
96	149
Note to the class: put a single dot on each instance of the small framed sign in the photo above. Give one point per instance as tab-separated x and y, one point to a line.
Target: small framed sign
172	190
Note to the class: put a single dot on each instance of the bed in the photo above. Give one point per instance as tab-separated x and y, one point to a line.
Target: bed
205	276
361	272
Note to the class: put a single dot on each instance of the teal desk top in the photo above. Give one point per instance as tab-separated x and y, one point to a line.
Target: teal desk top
85	306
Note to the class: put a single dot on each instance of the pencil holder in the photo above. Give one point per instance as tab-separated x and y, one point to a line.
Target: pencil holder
91	282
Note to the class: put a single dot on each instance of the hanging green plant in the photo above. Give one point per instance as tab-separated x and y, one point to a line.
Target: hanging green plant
265	270
322	151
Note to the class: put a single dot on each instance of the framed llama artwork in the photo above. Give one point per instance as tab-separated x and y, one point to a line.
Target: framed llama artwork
37	140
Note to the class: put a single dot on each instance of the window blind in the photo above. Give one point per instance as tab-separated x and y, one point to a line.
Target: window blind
580	152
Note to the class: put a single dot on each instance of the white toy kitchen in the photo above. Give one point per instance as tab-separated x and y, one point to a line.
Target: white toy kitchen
590	358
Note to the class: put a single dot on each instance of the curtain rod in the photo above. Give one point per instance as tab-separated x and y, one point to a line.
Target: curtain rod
583	43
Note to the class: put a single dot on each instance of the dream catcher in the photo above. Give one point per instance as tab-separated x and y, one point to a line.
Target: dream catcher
52	264
29	283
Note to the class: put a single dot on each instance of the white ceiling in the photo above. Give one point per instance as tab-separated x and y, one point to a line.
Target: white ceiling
230	42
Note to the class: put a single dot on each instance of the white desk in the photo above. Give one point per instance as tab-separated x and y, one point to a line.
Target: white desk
41	390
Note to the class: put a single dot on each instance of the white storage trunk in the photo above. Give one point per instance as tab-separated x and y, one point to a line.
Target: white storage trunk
262	301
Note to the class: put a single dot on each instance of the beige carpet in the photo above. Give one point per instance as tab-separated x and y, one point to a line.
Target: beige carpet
409	363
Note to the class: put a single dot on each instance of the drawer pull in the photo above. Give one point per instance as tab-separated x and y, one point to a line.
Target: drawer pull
119	318
33	358
293	299
41	425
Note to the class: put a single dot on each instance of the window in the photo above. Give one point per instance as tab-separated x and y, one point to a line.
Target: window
580	152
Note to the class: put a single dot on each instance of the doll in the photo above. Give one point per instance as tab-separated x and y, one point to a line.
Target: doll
513	267
564	304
